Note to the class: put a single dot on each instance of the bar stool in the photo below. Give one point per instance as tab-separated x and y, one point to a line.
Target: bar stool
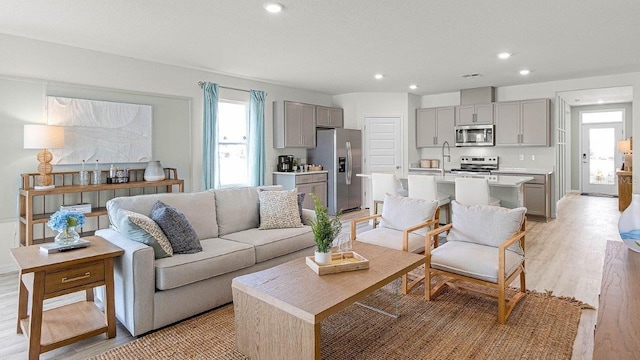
382	184
425	187
472	191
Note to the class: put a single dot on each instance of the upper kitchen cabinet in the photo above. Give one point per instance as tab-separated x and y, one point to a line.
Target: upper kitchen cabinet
478	114
522	123
329	117
294	125
434	126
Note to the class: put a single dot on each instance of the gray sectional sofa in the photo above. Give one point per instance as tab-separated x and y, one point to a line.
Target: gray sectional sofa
151	293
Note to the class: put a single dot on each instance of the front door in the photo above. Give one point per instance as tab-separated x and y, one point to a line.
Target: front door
601	131
382	147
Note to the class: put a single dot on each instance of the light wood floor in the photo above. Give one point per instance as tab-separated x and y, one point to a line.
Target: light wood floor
564	255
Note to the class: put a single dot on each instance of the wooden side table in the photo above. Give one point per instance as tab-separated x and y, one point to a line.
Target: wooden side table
625	188
44	276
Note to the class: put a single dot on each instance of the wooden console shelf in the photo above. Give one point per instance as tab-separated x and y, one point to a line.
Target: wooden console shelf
618	328
36	206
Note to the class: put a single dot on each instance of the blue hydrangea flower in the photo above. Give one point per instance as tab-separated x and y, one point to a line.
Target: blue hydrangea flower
63	219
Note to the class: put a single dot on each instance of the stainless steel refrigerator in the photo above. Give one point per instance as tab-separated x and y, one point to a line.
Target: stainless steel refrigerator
339	151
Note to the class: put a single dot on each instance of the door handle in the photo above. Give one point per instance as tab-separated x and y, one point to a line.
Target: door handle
349	162
397	167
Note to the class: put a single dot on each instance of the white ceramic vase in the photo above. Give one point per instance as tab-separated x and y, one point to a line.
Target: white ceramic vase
154	171
629	224
323	258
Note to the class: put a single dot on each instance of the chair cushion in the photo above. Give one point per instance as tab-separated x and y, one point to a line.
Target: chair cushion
237	209
218	256
279	209
176	227
142	229
275	242
391	238
400	212
473	260
198	207
484	224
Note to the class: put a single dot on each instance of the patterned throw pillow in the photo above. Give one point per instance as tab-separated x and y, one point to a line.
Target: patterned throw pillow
176	227
141	228
279	209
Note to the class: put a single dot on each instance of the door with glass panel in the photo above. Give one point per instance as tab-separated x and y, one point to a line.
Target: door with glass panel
601	131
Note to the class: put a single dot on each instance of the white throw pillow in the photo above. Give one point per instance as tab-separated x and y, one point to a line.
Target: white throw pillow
279	209
399	212
485	225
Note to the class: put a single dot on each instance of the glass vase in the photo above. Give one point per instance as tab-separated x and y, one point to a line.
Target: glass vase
154	171
629	224
67	237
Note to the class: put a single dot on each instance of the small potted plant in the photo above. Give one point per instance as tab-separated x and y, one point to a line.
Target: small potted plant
65	223
325	230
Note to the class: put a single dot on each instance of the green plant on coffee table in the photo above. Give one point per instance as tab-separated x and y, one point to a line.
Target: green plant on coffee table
324	228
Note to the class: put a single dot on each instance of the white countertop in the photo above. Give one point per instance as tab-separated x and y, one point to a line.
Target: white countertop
506	170
494	180
300	172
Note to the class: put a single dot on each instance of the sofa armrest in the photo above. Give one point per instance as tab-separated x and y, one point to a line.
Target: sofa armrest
308	215
134	280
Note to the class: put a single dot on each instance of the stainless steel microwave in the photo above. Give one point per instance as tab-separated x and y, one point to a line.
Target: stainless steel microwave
475	135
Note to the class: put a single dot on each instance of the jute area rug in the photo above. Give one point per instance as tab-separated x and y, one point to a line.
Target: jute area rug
456	325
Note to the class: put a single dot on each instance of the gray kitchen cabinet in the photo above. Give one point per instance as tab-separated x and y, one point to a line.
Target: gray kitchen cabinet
294	125
329	117
537	193
478	114
522	123
434	126
305	182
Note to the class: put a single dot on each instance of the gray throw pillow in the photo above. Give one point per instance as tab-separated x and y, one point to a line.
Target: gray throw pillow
176	227
142	229
300	201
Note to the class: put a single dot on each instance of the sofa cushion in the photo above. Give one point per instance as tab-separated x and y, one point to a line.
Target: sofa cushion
275	242
237	209
218	256
198	207
479	262
142	229
279	209
391	238
399	212
497	223
177	228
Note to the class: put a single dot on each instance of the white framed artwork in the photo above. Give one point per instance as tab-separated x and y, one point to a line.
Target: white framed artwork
109	132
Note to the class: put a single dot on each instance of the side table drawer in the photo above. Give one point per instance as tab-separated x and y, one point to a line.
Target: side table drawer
74	277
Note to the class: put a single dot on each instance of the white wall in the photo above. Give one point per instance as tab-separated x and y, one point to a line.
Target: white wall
30	69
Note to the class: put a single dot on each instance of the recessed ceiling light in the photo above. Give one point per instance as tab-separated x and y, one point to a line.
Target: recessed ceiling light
525	72
378	76
600	101
273	7
504	55
413	86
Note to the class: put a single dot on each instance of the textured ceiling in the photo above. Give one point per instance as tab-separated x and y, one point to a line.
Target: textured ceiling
336	46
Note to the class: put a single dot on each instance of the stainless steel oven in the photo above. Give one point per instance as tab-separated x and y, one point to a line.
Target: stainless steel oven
475	135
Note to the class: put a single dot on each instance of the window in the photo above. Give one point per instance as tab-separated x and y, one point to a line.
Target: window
602	116
233	143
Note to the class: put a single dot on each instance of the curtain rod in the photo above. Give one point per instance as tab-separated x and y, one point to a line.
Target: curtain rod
201	84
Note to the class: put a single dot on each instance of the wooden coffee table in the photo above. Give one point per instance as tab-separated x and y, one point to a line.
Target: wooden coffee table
44	276
278	311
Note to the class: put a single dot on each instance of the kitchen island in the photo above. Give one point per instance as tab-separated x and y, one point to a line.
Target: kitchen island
509	189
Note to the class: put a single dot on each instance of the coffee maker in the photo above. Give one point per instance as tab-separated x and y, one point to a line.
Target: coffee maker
285	163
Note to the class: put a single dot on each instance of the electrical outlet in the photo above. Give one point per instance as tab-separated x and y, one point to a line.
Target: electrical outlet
521	156
533	157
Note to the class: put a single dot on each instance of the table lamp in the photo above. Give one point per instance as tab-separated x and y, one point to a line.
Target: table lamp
624	146
44	137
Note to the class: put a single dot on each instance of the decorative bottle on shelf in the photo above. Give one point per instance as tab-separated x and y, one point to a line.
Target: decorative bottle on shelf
83	175
629	224
154	171
112	174
97	175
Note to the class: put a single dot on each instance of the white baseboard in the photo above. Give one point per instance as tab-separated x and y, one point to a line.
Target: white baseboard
5	269
574	192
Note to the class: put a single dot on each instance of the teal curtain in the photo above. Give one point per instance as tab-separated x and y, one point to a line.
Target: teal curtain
257	163
210	166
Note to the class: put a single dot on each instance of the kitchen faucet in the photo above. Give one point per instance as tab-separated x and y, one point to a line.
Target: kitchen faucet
448	155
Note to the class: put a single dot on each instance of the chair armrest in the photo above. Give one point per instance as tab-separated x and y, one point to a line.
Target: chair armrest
405	232
421	225
433	234
515	237
440	230
362	219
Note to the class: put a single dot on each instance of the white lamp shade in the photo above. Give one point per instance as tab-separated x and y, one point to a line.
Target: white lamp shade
624	146
43	137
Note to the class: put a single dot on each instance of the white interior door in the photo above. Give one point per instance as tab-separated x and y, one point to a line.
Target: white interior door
598	151
382	148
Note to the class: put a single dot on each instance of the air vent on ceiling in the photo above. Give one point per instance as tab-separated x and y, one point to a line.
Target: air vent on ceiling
470	76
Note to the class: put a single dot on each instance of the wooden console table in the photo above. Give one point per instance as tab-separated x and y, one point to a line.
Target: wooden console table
36	206
44	276
625	188
617	334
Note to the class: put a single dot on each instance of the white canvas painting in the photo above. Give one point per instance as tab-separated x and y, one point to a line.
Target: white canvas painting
106	131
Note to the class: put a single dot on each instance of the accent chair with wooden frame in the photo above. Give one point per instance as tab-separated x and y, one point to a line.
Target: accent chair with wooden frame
404	225
486	246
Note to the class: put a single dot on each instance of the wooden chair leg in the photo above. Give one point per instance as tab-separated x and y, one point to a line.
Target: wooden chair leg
427	283
523	287
404	284
501	305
